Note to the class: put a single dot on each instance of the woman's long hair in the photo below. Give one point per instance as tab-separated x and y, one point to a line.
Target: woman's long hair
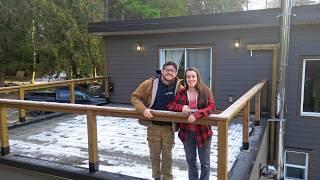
203	91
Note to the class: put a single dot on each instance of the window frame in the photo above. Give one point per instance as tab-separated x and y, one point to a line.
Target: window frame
304	113
305	167
162	57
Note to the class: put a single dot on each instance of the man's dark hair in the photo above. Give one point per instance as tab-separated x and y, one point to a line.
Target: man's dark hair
170	63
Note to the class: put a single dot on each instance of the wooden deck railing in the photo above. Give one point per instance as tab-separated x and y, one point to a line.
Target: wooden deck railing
221	120
21	89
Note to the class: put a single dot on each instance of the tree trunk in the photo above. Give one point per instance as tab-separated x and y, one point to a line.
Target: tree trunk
2	78
106	10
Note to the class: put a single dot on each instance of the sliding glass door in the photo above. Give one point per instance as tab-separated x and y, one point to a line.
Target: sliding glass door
200	58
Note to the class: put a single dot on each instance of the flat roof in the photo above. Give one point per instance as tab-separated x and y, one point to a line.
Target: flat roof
221	21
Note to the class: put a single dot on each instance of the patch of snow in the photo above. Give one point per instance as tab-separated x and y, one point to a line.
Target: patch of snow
55	77
122	144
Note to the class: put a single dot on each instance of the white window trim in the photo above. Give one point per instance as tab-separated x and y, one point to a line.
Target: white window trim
305	167
162	60
161	52
313	114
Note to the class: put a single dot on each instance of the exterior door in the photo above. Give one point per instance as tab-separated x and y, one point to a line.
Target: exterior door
200	58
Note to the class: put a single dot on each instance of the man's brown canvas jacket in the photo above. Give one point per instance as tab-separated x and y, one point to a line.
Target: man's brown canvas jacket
143	97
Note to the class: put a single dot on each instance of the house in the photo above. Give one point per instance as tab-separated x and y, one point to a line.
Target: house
135	49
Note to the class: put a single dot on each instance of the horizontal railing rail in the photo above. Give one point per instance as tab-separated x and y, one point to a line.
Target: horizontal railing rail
237	106
104	111
48	84
221	120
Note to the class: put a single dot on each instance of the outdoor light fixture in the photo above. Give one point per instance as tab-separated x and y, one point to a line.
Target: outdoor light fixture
237	43
230	99
139	46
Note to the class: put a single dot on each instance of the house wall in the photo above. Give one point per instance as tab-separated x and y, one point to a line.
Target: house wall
234	71
302	133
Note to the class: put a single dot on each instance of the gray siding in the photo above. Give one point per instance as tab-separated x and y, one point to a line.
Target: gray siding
234	71
302	133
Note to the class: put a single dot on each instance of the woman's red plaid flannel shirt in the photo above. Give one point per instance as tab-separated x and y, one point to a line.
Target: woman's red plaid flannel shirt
203	132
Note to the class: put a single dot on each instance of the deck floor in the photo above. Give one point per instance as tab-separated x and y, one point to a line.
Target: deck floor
122	145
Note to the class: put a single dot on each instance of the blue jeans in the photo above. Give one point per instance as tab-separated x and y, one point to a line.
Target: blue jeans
190	148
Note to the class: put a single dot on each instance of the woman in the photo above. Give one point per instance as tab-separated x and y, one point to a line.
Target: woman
196	101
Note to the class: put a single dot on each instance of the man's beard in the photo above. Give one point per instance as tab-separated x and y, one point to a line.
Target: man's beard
168	82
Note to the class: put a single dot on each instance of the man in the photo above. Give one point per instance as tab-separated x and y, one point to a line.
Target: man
156	93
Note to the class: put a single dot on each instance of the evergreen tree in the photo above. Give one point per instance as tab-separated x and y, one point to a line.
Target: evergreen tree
55	31
15	24
214	6
147	9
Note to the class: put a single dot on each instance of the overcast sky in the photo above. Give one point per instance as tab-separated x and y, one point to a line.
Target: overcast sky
257	4
261	4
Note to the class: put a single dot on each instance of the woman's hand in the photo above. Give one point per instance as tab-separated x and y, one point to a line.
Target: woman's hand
191	119
186	109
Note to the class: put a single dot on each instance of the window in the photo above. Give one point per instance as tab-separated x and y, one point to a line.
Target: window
201	58
310	88
80	95
295	165
64	94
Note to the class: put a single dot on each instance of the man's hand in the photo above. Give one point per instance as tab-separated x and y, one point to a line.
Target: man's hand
147	113
192	119
186	109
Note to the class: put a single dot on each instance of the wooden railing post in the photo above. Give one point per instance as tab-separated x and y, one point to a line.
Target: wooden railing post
4	137
272	143
72	95
245	131
106	87
257	104
223	150
92	141
274	81
22	112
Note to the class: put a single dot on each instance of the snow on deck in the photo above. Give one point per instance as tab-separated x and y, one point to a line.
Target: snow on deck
122	143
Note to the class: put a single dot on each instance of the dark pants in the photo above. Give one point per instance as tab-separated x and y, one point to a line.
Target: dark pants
190	148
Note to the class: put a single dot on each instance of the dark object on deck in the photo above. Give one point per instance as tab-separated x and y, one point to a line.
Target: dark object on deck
63	96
